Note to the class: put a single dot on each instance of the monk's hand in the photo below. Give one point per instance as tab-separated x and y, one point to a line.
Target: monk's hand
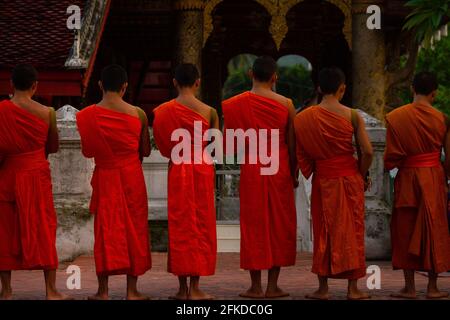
296	183
368	183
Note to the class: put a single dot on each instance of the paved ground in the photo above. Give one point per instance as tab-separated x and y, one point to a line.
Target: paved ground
226	284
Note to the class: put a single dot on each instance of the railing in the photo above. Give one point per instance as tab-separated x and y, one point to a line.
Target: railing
227	195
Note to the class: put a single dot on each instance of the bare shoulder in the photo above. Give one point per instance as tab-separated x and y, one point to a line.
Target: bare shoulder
347	112
281	99
130	109
142	113
204	109
204	106
40	106
348	109
40	110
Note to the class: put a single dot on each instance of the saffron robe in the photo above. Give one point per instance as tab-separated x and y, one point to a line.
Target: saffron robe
27	214
325	151
191	187
119	197
268	216
419	229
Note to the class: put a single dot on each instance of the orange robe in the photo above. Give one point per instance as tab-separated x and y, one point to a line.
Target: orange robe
27	215
268	216
325	150
119	197
419	229
191	187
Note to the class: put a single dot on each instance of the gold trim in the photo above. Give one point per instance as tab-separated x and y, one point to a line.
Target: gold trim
189	5
208	20
278	10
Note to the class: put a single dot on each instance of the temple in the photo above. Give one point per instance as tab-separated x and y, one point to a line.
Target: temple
150	37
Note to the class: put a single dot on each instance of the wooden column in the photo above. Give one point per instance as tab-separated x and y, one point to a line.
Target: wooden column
368	62
189	38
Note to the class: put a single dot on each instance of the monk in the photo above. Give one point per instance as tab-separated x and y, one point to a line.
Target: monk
191	186
28	134
325	151
416	135
116	135
267	205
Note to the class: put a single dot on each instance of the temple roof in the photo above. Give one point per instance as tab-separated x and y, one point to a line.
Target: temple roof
35	32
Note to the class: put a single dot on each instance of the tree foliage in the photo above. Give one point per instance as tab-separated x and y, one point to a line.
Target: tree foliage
426	18
437	61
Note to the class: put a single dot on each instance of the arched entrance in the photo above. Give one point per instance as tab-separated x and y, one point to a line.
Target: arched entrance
315	29
239	26
316	32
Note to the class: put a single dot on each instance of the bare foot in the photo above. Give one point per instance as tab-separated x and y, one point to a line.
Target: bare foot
181	295
436	294
277	293
405	294
58	296
253	294
199	295
6	295
357	295
137	296
317	295
99	297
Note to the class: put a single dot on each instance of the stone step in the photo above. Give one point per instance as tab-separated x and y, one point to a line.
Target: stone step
228	236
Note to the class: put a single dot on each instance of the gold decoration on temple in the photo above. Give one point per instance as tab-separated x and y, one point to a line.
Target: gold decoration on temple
278	10
189	4
207	19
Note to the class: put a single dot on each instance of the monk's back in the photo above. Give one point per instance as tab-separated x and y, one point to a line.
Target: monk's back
174	115
196	106
20	130
120	130
323	133
257	112
418	127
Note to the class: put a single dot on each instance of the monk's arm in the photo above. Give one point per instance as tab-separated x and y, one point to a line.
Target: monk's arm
291	143
393	154
366	147
145	147
52	145
215	124
447	153
305	163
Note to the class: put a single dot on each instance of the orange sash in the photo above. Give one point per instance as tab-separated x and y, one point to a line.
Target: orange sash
425	160
340	166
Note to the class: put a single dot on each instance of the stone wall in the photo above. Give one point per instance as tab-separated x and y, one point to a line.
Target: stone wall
378	211
71	174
